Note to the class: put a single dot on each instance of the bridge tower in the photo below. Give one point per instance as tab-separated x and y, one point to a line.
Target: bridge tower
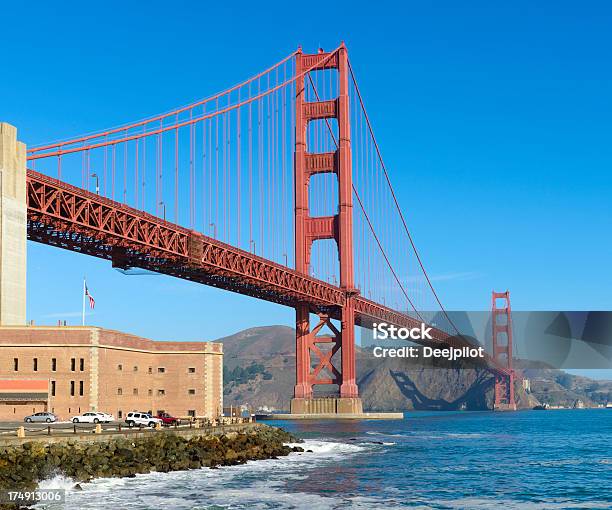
13	228
309	229
501	321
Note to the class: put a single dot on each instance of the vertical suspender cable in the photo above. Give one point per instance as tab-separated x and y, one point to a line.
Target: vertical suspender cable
239	170
250	150
176	172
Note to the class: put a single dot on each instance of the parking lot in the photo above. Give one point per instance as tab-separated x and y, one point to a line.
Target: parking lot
33	430
10	429
55	425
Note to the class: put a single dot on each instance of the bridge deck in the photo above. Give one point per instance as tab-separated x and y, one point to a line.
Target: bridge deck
72	218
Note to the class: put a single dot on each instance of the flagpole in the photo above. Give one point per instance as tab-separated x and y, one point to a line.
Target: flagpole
84	284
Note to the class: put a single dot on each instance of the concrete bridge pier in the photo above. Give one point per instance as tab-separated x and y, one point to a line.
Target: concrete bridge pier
13	228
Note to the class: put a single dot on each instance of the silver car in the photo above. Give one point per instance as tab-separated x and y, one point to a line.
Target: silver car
40	417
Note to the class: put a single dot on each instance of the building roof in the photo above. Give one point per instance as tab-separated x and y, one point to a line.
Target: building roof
84	336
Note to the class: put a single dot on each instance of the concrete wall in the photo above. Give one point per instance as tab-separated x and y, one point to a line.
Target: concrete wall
13	227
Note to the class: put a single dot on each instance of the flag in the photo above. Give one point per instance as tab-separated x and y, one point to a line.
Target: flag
92	301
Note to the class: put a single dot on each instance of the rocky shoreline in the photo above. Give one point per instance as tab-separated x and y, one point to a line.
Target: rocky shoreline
23	466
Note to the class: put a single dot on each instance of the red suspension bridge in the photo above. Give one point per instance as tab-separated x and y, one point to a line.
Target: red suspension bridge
275	188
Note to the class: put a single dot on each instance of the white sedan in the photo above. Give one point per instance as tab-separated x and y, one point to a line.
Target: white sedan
92	417
105	417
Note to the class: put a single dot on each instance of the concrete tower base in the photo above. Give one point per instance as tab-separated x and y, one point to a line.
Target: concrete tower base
329	408
504	407
13	228
326	405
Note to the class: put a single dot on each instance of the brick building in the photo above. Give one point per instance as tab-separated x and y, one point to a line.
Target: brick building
88	368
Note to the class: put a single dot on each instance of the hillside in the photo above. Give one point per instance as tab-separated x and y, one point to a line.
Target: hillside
260	371
558	388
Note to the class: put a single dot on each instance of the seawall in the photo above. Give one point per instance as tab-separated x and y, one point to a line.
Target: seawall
23	465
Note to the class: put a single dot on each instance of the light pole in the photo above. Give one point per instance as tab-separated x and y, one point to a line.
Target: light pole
95	176
214	227
163	206
251	242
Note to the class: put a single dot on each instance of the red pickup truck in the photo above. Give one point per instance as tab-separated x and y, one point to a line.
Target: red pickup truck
168	420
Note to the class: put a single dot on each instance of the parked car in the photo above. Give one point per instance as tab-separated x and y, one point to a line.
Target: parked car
40	417
168	419
136	418
105	417
92	417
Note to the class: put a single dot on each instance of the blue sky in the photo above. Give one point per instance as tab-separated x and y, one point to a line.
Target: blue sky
495	121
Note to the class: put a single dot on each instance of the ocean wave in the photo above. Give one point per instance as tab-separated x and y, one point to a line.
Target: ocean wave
328	448
59	481
423	434
258	485
374	433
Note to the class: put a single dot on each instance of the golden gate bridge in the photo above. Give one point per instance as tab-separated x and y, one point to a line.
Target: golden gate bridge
275	188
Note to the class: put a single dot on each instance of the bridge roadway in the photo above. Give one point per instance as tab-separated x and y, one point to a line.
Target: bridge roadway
72	218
